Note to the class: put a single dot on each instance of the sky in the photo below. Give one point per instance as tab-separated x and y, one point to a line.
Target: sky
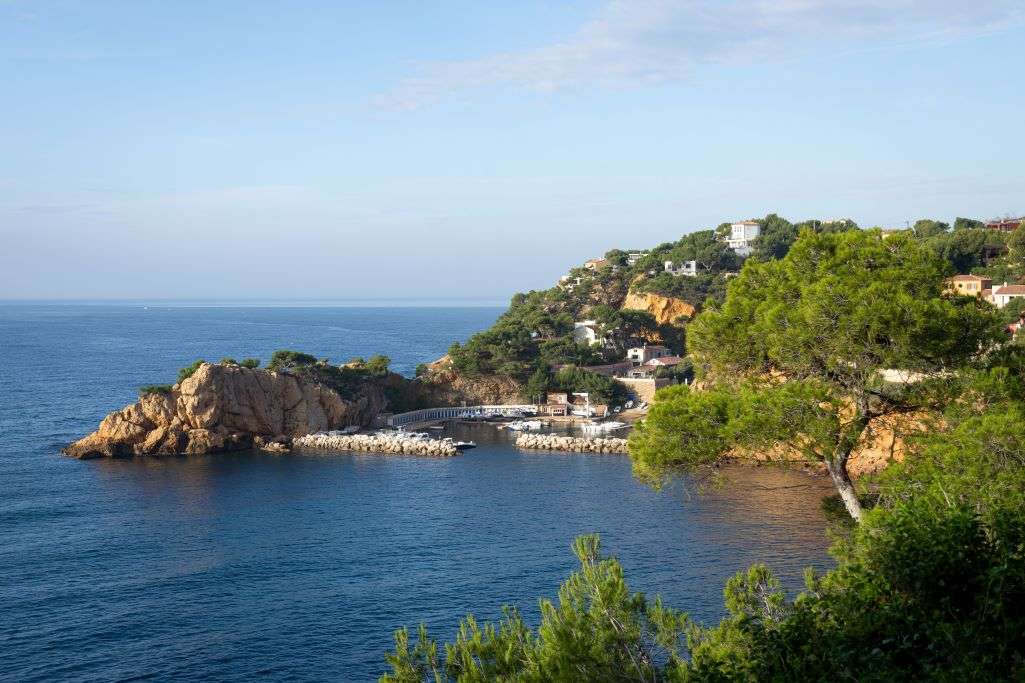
393	149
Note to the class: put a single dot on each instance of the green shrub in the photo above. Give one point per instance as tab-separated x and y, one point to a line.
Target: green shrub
378	365
601	389
597	631
421	369
189	370
251	363
284	359
228	360
154	389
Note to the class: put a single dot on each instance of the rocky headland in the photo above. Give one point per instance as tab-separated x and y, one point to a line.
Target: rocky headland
225	408
441	385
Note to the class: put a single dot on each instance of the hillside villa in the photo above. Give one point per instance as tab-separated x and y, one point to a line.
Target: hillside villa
585	331
742	236
1005	224
970	285
687	268
639	355
652	366
1004	294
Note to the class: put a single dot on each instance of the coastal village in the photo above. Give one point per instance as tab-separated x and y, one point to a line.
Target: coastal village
590	353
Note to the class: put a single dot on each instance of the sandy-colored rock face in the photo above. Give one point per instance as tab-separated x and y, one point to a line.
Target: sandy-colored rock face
665	309
443	386
223	408
884	442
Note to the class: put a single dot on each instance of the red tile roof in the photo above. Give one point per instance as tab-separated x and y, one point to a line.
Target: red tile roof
665	361
1010	289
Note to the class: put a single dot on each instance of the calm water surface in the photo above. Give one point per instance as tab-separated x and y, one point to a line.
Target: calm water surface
299	567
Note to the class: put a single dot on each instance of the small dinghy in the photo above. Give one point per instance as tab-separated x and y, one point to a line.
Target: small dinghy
465	445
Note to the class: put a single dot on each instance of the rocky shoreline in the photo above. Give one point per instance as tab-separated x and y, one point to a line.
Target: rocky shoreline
378	443
571	444
222	408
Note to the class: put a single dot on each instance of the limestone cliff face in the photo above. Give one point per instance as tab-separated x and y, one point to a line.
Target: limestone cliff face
224	408
665	309
884	442
441	385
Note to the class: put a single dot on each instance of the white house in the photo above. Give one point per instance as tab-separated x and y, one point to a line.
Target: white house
1004	294
634	256
585	331
639	355
569	282
742	236
688	268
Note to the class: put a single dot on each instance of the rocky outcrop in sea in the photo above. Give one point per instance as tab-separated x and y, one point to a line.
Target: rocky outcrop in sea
575	444
225	408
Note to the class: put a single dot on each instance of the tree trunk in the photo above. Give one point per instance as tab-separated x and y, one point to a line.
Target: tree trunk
837	465
845	487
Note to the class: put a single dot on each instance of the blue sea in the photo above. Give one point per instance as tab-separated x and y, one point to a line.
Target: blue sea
299	568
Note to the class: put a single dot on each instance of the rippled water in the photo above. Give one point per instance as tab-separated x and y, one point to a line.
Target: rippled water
299	567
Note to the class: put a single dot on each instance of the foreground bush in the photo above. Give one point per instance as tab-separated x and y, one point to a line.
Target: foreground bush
598	631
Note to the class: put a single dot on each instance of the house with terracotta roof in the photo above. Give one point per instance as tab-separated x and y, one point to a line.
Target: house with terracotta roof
968	285
652	366
596	263
1006	293
1004	224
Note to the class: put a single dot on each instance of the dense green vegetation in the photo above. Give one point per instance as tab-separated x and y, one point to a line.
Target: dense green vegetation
347	379
930	581
536	333
796	352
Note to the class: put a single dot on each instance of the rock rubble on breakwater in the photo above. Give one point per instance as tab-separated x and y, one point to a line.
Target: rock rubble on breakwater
378	443
554	442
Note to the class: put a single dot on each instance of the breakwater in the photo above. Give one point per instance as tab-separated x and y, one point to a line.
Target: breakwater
554	442
405	444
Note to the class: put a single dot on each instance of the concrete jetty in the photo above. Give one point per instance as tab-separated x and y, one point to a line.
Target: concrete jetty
398	443
574	444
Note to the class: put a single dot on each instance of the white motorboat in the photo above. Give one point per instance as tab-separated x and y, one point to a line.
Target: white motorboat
603	427
524	425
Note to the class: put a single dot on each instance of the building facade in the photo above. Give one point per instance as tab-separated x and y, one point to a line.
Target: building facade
742	237
639	355
1005	294
968	285
686	268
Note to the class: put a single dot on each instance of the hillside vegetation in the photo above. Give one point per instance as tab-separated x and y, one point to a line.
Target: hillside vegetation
534	337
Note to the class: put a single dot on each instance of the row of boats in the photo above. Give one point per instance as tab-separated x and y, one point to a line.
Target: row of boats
589	427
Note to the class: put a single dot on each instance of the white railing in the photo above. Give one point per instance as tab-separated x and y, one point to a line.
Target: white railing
453	412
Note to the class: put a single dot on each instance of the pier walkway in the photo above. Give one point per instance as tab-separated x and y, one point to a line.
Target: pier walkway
453	412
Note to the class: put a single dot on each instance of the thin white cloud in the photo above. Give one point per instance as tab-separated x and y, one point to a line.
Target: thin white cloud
636	42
